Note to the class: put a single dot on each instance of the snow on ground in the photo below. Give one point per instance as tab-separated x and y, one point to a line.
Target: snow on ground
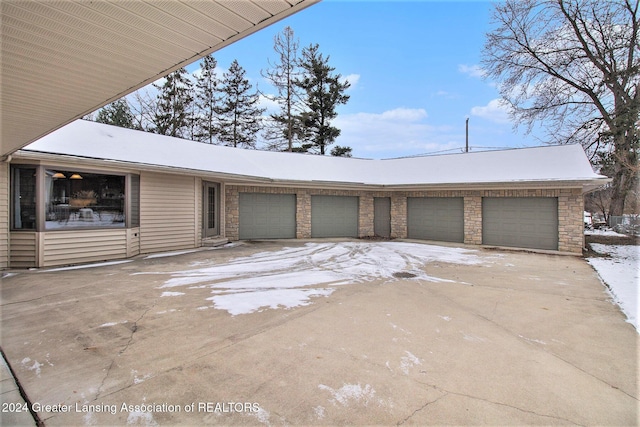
621	272
172	294
83	266
292	276
603	232
168	254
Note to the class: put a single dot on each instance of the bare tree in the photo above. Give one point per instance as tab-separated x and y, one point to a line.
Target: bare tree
144	108
573	66
599	202
282	75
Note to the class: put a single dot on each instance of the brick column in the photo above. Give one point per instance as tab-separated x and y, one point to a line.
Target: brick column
473	220
399	217
571	221
365	215
232	212
303	215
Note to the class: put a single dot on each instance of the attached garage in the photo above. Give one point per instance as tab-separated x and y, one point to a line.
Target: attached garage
436	218
525	222
334	216
267	216
529	198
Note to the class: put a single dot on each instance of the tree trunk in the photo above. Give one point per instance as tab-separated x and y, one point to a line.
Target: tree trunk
624	179
616	206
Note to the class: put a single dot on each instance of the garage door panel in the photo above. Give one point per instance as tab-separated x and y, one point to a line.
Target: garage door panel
267	216
527	222
334	216
436	218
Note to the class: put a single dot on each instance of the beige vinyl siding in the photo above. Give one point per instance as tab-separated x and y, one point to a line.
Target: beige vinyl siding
4	215
198	211
78	246
133	242
168	219
23	249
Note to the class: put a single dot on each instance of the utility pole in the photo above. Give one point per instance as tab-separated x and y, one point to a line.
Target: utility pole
466	147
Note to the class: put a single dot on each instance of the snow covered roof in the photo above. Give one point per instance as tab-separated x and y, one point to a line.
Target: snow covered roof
547	164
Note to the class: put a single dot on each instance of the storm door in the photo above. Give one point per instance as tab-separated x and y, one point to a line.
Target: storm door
211	214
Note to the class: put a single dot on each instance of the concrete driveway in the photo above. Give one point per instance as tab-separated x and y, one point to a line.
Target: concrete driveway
322	333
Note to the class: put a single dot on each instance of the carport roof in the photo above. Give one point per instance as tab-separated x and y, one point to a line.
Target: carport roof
560	165
64	59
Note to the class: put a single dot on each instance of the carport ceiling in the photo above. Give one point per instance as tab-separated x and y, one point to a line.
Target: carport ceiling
64	59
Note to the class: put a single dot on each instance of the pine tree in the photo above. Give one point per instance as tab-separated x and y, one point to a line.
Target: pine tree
207	101
340	151
281	130
323	92
117	113
239	117
174	101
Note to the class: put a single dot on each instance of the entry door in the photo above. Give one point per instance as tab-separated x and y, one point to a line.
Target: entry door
382	216
210	214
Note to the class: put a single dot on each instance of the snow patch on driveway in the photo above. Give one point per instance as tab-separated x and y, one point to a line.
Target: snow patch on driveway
351	394
409	361
290	277
250	301
172	294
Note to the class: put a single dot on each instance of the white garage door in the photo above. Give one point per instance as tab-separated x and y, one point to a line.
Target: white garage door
267	216
436	218
334	216
528	222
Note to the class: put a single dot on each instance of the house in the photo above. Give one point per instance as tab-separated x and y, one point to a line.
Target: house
63	60
91	192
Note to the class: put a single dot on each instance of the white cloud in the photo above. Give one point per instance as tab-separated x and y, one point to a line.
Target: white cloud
351	78
496	111
270	105
472	70
446	95
405	114
393	133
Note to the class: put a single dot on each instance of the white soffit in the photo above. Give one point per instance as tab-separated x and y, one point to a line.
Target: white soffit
63	59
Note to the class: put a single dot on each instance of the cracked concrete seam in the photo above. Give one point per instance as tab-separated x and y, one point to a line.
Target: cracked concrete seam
512	407
422	408
134	329
542	348
555	355
449	392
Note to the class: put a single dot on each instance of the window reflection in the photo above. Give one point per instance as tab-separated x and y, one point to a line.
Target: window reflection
79	199
23	180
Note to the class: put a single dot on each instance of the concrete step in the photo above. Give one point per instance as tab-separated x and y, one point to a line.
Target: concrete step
215	241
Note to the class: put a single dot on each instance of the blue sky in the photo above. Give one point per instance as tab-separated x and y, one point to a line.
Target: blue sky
414	71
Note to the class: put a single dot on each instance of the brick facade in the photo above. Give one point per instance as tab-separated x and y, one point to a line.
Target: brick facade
398	216
570	210
365	215
473	220
303	214
571	221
